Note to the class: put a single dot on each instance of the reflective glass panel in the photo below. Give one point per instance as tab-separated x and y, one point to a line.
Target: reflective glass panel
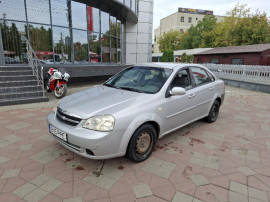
93	19
113	25
38	11
13	35
113	50
118	29
133	5
80	46
94	44
105	41
118	51
122	1
41	41
105	24
78	15
61	43
127	2
59	12
13	10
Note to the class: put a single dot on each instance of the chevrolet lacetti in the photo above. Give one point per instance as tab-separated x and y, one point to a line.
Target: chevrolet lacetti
127	114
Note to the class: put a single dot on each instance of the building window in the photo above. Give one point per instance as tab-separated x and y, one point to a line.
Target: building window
94	44
38	12
12	10
62	45
127	2
181	31
189	19
80	46
105	23
237	61
215	60
59	10
182	19
199	60
78	15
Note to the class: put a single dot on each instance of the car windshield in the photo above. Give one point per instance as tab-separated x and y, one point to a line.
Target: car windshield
140	79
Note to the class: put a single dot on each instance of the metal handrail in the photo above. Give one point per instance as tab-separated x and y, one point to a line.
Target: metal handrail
37	67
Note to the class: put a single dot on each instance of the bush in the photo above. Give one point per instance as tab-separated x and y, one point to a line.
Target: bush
167	56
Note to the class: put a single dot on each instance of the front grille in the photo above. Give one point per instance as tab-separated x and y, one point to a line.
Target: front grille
67	118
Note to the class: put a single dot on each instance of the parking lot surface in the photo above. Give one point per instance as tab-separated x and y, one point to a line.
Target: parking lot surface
228	160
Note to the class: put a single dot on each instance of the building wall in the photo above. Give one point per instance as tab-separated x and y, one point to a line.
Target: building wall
248	58
173	22
265	60
138	37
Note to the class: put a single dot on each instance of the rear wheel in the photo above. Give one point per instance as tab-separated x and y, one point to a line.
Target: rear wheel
142	143
60	91
214	111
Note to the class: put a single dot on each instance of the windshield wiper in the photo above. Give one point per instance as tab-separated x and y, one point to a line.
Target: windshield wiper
110	85
131	89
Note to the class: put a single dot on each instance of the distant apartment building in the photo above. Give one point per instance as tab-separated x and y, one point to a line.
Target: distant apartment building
180	21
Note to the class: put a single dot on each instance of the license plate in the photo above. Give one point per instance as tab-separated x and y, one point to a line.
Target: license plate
58	133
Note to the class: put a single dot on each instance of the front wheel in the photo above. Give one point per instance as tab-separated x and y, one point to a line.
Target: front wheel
60	91
142	143
214	111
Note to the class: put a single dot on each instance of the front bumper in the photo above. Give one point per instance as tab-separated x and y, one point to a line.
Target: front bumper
88	143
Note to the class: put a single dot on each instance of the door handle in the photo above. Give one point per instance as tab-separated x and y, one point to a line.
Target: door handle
191	96
212	87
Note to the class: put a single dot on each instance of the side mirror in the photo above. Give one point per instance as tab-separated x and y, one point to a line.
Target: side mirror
178	91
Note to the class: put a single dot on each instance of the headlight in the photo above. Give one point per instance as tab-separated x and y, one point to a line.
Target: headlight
100	123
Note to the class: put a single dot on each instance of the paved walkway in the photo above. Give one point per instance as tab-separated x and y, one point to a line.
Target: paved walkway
228	160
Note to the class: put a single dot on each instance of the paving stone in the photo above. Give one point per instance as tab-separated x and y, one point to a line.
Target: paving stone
246	171
12	138
265	127
171	151
75	199
199	180
18	126
182	197
47	138
26	147
26	116
159	167
197	161
51	185
212	162
142	190
243	141
240	153
36	195
4	121
268	145
254	200
72	164
40	180
35	130
236	197
47	155
258	194
4	143
239	188
106	179
11	173
25	189
210	146
253	158
3	160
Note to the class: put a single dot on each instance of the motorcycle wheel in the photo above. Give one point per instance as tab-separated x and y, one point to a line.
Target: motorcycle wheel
61	91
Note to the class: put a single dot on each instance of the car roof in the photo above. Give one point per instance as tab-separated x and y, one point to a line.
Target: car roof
168	65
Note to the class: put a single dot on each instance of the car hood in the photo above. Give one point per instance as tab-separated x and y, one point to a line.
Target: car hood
98	100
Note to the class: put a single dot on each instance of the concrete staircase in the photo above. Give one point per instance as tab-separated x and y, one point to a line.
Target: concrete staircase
18	85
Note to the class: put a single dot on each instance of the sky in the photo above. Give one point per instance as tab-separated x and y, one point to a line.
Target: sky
164	8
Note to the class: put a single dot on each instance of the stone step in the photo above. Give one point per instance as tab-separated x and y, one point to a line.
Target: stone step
16	72
20	89
15	68
23	100
18	95
18	83
17	78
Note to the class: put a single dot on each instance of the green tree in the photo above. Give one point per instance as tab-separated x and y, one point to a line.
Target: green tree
167	56
186	58
241	27
170	40
197	36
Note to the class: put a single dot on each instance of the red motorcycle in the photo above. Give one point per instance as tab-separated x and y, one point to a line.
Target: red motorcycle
57	82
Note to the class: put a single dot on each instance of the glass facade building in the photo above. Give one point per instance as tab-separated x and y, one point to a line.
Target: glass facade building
64	31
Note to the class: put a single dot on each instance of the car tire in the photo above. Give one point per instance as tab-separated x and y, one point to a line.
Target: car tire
142	143
214	111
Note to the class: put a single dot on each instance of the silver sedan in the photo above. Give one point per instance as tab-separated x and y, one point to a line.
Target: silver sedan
128	113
